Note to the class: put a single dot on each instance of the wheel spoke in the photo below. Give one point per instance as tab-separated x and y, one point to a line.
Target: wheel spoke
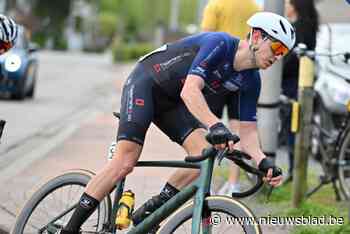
55	198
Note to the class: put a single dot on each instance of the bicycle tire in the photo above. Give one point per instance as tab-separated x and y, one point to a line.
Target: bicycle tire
80	178
342	157
213	203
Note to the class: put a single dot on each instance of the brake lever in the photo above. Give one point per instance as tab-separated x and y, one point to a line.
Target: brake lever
221	155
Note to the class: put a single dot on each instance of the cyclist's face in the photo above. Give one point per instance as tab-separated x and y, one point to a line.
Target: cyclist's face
264	55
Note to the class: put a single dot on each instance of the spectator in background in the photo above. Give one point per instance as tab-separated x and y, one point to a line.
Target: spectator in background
228	16
304	17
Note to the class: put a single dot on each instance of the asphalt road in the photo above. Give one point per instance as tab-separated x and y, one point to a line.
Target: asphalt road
72	88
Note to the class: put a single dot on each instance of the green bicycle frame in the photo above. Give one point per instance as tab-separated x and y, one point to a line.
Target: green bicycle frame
200	188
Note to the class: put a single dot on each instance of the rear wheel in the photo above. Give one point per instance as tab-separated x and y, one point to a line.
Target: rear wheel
344	166
54	198
226	216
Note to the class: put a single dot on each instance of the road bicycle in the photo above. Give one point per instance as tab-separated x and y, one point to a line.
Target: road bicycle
330	135
192	210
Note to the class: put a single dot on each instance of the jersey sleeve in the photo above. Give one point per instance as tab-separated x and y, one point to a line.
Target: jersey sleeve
249	96
209	21
212	52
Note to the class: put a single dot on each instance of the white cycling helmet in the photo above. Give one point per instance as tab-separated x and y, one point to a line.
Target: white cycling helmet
8	30
275	26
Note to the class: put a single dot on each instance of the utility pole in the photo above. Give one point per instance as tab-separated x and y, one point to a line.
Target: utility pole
174	15
2	5
268	106
303	133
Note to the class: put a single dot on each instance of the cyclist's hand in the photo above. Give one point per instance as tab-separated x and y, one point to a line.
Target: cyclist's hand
273	173
220	137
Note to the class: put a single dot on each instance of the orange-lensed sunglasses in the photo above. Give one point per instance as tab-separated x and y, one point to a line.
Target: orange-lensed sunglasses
277	47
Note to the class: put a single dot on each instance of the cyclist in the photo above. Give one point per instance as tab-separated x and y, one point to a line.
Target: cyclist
228	16
8	33
8	36
168	87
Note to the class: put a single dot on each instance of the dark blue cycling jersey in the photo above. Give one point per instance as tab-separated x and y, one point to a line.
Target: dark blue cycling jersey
210	56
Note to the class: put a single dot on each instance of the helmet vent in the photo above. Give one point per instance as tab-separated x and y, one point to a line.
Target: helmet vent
282	26
275	31
293	33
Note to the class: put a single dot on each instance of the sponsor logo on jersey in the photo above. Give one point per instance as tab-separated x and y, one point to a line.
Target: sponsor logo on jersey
157	67
227	66
230	86
217	73
130	105
215	84
174	60
204	64
139	102
200	70
167	64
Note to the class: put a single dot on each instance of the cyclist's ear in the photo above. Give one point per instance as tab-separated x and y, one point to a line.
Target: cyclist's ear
256	35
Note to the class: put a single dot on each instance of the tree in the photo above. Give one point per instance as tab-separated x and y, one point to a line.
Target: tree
54	14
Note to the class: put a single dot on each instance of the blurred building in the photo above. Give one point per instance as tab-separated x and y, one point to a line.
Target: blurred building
332	11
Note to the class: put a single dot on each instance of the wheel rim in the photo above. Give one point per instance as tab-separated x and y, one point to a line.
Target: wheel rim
344	167
220	222
58	201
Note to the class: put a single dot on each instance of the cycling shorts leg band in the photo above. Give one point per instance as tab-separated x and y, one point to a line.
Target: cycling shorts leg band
132	132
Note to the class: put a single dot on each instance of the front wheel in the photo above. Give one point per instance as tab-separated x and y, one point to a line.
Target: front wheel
53	199
226	216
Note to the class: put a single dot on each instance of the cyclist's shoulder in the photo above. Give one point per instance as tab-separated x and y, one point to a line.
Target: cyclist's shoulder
215	35
219	38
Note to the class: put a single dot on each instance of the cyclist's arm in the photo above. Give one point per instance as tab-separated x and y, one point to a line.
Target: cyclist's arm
212	51
250	141
248	100
194	100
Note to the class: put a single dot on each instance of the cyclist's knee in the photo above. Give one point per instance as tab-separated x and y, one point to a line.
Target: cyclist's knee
125	158
126	168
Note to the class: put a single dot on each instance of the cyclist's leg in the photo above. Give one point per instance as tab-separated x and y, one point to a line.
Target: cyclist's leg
126	156
194	144
184	129
121	165
134	121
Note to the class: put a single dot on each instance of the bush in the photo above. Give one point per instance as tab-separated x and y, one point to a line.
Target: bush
108	24
60	43
130	51
39	38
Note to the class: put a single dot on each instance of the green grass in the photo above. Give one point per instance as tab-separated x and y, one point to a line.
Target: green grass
321	204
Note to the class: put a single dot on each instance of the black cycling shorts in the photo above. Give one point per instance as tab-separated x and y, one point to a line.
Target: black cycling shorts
217	103
144	102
